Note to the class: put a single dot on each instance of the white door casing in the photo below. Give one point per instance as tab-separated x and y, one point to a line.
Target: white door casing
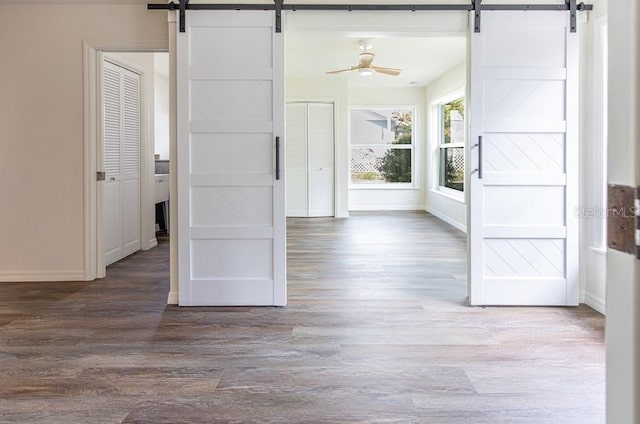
523	167
121	117
231	210
310	159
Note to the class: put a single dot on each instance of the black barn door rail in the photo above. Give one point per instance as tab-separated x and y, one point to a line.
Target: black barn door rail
278	6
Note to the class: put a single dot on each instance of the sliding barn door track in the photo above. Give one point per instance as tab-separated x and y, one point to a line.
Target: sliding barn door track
278	6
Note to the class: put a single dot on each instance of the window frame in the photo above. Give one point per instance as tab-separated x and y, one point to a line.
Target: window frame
440	146
413	148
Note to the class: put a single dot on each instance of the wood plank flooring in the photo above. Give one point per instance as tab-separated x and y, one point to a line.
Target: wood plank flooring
376	331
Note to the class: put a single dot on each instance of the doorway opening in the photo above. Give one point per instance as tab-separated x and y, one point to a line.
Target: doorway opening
135	122
423	53
385	151
127	125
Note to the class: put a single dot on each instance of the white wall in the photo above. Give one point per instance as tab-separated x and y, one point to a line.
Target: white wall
334	91
390	198
623	270
161	105
444	204
42	156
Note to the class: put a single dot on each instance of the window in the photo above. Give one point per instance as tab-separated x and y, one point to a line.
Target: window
382	146
451	144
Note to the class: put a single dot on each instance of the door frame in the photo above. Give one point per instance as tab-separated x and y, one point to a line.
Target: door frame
334	102
93	144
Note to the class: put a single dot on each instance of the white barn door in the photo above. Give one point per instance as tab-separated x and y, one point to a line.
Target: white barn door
523	168
231	221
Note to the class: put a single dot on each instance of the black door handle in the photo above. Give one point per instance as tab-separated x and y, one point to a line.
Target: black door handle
277	158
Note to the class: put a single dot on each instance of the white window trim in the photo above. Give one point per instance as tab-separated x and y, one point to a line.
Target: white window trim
413	185
449	193
438	144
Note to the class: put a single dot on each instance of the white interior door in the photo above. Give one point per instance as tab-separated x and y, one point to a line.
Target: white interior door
310	158
296	148
320	137
523	169
121	117
231	223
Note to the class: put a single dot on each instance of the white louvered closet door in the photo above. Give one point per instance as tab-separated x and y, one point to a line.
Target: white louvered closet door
121	117
320	141
231	210
296	147
523	160
310	158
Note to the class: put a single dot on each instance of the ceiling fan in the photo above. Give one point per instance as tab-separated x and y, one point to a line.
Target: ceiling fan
365	66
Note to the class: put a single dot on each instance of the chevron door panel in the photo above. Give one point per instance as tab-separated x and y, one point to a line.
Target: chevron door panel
218	154
524	153
224	206
521	258
231	100
524	100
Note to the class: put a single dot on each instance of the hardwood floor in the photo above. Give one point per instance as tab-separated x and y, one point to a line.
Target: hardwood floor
376	331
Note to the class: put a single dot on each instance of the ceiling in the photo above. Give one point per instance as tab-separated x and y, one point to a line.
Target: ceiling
422	59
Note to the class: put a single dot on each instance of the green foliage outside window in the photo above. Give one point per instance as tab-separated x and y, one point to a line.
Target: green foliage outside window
395	166
452	158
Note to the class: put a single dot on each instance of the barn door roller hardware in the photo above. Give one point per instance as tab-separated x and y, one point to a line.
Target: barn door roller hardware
623	219
278	6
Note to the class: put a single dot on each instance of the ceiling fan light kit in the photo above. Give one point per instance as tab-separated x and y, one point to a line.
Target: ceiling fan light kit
365	65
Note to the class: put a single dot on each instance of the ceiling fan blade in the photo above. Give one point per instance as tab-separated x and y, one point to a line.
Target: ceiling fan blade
387	71
350	68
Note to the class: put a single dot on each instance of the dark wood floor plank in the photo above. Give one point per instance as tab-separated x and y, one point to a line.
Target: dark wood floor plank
376	331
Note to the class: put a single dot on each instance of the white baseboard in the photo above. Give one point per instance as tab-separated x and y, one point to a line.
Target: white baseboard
460	226
41	276
172	299
386	208
596	303
152	243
